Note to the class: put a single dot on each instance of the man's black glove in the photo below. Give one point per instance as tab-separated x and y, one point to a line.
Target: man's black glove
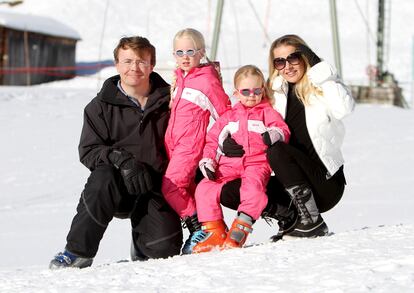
231	148
135	174
309	55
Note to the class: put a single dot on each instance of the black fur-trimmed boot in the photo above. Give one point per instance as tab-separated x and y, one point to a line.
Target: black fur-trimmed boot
286	218
310	223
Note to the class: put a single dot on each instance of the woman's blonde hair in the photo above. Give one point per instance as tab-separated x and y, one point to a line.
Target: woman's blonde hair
303	88
252	70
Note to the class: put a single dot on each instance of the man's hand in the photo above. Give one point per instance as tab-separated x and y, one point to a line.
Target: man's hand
231	148
135	174
207	167
309	55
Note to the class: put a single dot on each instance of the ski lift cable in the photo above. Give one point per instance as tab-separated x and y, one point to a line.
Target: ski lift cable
236	21
367	3
101	40
260	23
370	34
208	21
267	15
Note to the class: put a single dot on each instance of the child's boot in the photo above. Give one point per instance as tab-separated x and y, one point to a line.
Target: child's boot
215	234
239	231
194	227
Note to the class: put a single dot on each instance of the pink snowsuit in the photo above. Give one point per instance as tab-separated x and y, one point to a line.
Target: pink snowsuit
246	126
197	96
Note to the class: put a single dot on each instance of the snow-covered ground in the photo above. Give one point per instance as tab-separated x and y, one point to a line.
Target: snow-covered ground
370	260
372	248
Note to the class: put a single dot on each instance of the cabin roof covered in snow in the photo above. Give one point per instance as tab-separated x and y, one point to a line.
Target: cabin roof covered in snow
38	24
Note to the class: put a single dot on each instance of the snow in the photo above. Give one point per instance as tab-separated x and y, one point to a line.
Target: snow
39	24
242	40
372	246
355	261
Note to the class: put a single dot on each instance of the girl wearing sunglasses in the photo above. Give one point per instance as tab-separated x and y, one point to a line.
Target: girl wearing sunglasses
196	95
255	125
309	170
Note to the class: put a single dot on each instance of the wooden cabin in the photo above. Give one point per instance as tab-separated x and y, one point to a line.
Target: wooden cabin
35	49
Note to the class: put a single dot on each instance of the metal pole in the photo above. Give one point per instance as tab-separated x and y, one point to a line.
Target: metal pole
380	41
216	33
335	36
412	74
98	85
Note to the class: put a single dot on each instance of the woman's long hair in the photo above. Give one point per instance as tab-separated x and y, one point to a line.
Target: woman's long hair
303	88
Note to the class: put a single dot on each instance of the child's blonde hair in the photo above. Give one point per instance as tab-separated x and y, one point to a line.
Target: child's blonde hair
198	40
303	87
194	35
252	70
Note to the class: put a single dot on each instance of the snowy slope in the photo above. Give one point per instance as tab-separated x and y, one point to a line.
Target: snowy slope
41	179
372	249
370	260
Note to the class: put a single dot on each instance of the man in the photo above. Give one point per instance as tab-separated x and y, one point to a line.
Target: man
122	143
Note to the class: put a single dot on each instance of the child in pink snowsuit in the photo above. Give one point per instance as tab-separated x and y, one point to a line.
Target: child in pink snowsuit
197	95
255	125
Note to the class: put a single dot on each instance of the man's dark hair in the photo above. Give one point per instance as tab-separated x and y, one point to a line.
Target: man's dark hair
138	45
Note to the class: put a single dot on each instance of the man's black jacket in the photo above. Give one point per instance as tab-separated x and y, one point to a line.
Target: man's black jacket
112	121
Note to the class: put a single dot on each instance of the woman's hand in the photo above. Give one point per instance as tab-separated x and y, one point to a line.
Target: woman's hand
309	55
270	137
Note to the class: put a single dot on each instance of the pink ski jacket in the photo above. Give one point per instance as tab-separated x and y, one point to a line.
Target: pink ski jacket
198	96
245	125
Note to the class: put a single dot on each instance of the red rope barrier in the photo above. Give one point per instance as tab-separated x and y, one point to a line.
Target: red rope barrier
51	70
63	70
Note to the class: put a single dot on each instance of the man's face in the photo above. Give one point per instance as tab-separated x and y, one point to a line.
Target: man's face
134	69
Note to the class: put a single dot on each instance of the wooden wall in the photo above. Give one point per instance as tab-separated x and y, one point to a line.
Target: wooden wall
31	58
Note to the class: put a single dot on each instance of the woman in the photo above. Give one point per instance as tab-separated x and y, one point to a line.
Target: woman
309	170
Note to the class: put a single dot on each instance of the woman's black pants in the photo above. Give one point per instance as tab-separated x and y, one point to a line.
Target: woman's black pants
292	167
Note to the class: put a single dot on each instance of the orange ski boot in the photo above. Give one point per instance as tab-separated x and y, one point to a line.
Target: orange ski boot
215	234
239	231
